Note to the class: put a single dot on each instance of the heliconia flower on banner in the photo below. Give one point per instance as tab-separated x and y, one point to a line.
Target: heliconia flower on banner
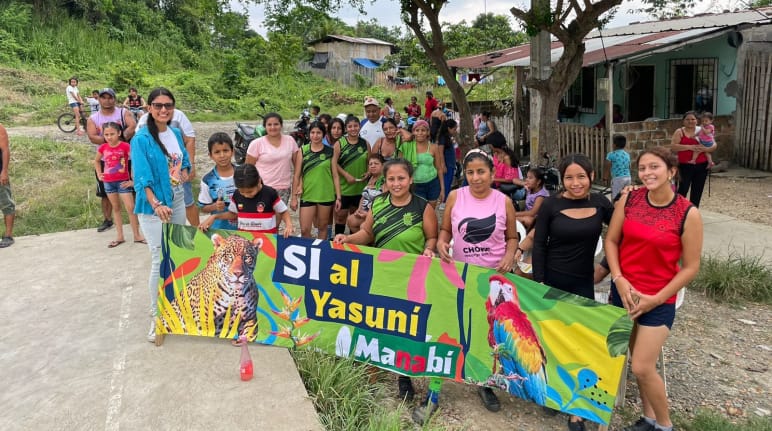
291	304
305	339
284	332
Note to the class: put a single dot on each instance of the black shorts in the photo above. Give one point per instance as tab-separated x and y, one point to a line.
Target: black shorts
100	191
350	202
310	204
660	315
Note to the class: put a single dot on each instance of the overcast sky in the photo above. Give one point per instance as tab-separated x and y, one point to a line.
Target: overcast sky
387	11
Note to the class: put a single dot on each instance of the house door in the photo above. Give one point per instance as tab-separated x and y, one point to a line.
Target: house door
640	96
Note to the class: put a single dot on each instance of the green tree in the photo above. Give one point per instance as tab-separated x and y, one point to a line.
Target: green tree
306	22
496	32
374	30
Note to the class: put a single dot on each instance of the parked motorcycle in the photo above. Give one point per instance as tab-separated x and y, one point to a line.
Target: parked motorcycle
551	173
244	134
300	132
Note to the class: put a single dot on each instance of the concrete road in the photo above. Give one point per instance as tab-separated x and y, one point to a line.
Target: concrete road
726	235
73	353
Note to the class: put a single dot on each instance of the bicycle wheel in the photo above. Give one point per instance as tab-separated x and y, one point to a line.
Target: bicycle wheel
66	122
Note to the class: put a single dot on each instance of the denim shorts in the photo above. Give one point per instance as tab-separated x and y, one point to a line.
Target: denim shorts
660	315
115	187
429	190
187	190
74	104
7	205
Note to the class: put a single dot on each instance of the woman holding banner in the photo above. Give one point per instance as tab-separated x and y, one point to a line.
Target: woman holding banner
386	226
652	229
567	229
161	166
477	217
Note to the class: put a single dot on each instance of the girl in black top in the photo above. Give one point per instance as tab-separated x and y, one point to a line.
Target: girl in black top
567	229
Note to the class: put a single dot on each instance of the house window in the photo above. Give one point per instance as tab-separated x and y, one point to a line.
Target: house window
581	94
692	86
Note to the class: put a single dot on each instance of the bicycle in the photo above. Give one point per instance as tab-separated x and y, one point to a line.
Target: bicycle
66	121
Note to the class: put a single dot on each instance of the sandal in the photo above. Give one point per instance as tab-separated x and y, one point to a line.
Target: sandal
141	241
115	243
489	399
576	426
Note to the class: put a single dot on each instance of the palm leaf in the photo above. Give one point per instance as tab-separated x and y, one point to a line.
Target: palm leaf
618	339
560	295
183	236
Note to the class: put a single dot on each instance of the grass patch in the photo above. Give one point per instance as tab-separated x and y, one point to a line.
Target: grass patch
53	186
709	421
344	397
735	278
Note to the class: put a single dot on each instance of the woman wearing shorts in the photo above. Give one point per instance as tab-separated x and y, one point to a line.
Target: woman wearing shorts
652	230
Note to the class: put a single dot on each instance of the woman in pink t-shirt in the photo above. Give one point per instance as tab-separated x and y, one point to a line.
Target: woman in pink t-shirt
275	155
481	222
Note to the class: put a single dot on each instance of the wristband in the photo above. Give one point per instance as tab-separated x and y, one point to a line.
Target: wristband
156	203
615	278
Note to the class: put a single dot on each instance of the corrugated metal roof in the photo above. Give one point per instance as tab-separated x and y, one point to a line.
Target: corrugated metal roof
625	41
691	22
362	40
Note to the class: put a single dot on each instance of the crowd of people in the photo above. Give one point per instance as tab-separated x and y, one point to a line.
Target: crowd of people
358	182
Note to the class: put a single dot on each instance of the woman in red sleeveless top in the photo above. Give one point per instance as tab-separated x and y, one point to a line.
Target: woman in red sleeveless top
692	175
651	231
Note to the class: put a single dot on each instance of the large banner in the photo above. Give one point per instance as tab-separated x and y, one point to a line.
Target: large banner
405	313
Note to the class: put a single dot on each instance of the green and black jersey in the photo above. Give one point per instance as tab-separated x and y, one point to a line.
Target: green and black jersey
317	175
399	228
353	159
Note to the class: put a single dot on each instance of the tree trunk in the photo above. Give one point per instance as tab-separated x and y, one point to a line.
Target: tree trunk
466	125
548	132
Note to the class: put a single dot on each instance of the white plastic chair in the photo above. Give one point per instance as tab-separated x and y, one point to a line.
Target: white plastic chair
527	268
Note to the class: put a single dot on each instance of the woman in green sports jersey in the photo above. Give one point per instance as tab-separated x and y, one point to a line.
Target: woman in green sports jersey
352	166
398	220
316	183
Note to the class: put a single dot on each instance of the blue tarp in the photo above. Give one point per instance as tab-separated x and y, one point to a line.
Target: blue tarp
366	62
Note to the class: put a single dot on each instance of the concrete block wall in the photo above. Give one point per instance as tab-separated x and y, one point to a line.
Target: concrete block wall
646	134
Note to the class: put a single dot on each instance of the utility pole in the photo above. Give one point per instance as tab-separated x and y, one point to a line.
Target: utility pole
540	69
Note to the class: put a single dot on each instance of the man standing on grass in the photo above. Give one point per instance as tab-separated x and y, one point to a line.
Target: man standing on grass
7	206
108	113
180	121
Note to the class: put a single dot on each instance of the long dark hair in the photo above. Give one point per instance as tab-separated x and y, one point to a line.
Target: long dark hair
152	127
340	122
499	142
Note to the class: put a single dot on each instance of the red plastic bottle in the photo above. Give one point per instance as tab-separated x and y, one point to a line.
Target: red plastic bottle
246	361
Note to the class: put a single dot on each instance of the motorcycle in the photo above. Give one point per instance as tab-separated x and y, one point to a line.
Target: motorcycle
551	173
244	134
300	131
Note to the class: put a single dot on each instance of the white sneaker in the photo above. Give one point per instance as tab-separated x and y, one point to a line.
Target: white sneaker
151	332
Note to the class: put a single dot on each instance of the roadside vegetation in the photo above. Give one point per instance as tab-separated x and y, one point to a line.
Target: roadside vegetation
349	396
736	278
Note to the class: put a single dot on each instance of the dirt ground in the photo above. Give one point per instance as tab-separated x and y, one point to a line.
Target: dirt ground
717	356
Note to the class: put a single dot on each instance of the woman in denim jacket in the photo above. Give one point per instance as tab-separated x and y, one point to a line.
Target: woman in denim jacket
161	166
